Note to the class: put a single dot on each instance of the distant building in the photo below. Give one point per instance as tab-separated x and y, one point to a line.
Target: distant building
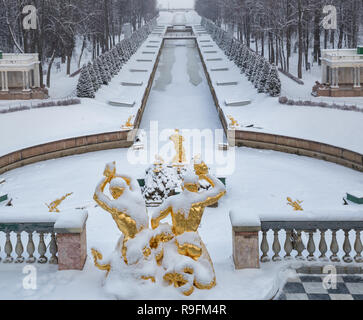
20	77
342	73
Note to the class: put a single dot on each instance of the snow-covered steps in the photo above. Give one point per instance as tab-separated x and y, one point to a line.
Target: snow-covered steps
219	69
132	84
154	41
124	104
151	46
233	102
139	70
210	51
227	83
148	52
214	59
207	46
144	60
205	41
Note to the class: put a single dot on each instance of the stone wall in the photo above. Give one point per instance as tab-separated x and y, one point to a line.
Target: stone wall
66	147
298	146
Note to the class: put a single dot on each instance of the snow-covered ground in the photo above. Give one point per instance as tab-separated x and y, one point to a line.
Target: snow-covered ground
259	182
340	128
92	116
262	181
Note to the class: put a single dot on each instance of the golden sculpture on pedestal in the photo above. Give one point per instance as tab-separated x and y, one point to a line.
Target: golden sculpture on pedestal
178	139
174	254
53	206
295	204
128	124
234	124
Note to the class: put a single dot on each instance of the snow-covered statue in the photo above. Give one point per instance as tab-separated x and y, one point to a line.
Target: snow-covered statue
172	254
186	210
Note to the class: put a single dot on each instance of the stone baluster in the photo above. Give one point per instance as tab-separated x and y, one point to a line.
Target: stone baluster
264	247
30	248
334	247
347	247
276	247
358	247
19	249
299	246
323	247
8	249
53	250
288	245
42	249
311	246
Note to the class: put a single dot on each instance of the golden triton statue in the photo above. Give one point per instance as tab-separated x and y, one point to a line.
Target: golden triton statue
128	124
186	211
53	206
234	123
295	204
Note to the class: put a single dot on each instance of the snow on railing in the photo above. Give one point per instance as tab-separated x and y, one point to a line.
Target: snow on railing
324	236
17	228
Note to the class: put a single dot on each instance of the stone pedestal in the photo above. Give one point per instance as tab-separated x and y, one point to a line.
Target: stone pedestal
72	250
245	240
71	240
245	247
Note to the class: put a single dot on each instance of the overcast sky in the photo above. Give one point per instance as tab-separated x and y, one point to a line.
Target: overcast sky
176	3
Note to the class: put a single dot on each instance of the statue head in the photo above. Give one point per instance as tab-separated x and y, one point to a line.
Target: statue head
190	181
117	187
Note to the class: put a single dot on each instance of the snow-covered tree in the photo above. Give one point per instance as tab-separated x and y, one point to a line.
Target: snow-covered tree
93	76
104	69
273	83
97	70
261	87
85	86
161	182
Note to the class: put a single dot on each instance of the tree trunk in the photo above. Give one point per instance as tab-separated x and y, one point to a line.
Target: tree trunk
300	35
50	68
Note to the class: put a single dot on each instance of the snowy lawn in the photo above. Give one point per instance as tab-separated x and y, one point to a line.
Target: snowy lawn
340	128
262	180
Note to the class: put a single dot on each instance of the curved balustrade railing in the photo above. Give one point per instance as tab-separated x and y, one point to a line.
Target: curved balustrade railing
288	237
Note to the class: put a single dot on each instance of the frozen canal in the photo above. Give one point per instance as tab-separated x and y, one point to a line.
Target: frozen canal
180	97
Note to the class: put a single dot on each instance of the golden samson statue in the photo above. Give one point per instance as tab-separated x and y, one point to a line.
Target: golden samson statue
174	254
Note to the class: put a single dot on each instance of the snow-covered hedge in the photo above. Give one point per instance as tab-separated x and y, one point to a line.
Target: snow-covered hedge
309	103
258	70
108	64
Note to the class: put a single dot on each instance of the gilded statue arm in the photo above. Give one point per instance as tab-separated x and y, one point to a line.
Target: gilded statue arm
155	221
217	186
99	195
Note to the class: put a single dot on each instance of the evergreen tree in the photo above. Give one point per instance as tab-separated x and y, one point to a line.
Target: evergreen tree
104	69
251	65
264	75
97	70
93	76
85	86
273	83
